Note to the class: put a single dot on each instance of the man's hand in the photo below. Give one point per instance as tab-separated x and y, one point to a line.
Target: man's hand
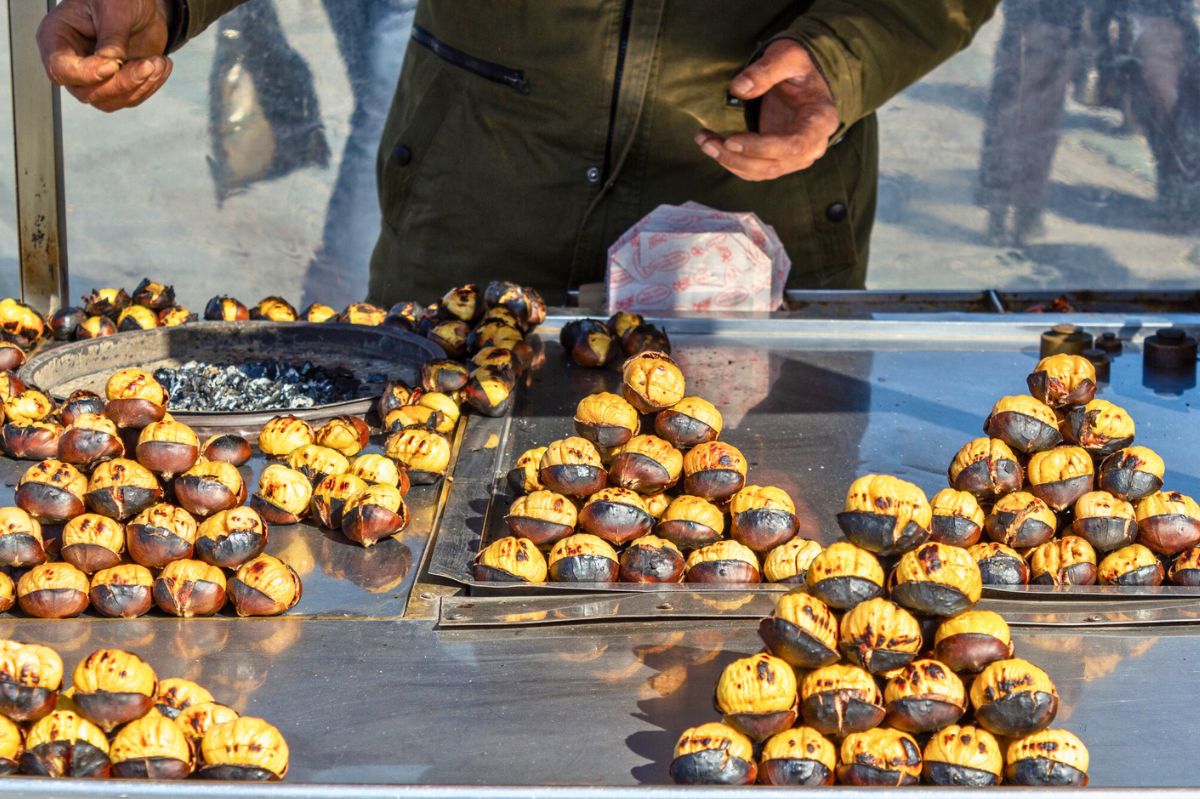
108	53
796	121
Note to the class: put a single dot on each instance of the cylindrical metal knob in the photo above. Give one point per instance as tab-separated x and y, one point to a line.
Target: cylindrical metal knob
1065	338
1101	361
1170	348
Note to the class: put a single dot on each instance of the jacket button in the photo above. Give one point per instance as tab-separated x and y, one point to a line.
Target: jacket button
837	212
401	154
593	175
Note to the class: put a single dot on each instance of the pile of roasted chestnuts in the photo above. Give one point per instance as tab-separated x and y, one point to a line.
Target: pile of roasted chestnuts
118	719
594	343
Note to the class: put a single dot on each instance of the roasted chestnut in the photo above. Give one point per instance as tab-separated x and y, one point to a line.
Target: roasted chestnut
331	495
362	313
503	316
160	534
153	295
840	699
594	345
225	309
318	313
1047	758
30	676
1024	423
962	757
1060	476
122	592
317	462
29	405
462	302
999	564
188	588
20	540
879	757
1021	520
879	635
374	467
1100	427
210	486
51	491
444	375
523	476
1105	522
174	695
622	322
152	747
758	696
722	562
91	542
511	560
346	434
12	357
1013	698
167	447
8	592
606	420
445	407
1131	565
90	439
64	744
229	448
412	416
645	338
490	391
283	435
197	719
885	514
713	754
499	359
970	641
844	575
802	631
121	488
582	558
1132	473
523	302
376	512
617	515
987	468
137	317
761	517
135	398
95	327
936	580
12	743
31	440
1063	380
113	687
924	696
451	336
79	403
1168	522
423	453
231	537
646	464
572	466
541	516
656	504
175	316
504	335
105	302
651	559
247	749
652	382
1186	568
274	309
53	591
689	422
714	471
282	496
789	562
798	757
64	321
957	518
690	522
265	586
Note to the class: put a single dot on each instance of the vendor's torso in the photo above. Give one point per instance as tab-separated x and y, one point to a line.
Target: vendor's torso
505	155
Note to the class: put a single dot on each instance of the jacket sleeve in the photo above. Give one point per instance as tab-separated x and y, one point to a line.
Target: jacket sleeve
871	50
202	13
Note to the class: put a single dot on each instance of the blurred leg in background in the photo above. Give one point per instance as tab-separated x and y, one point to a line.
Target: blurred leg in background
371	37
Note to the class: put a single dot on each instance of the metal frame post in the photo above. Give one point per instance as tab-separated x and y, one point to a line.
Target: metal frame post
37	133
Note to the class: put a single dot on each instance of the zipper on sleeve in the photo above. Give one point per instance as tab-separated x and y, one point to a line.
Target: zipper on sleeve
622	47
498	73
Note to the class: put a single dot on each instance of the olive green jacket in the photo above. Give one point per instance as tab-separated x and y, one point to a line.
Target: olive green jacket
508	154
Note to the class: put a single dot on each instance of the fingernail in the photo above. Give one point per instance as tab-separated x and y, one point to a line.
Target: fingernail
741	85
711	150
143	70
733	145
107	69
700	139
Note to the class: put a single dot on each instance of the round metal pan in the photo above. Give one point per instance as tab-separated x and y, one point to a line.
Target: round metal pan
374	354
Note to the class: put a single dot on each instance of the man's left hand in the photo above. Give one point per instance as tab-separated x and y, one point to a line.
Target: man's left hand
797	118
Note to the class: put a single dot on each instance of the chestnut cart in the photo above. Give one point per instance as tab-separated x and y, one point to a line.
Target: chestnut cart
399	675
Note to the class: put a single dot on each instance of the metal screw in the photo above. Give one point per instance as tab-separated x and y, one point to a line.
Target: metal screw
455	616
666	606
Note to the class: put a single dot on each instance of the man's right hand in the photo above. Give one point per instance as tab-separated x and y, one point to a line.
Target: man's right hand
107	53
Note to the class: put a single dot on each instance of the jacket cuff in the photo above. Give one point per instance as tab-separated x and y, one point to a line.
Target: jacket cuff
202	13
177	24
841	68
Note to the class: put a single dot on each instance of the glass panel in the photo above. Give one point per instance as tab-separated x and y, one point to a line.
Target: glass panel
10	275
1062	150
252	172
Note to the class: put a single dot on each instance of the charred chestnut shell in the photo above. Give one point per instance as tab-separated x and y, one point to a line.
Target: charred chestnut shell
1168	522
798	757
319	313
879	636
651	559
137	317
617	515
880	757
1131	565
645	338
282	435
188	588
689	422
451	336
936	580
1069	560
924	696
152	747
1104	521
362	313
20	540
1186	568
962	757
167	447
1049	758
231	537
174	695
713	754
95	327
1100	427
593	344
1063	380
885	514
652	382
79	403
30	676
106	302
51	492
375	467
225	309
121	488
490	391
53	591
606	419
1013	698
374	514
802	631
714	471
987	468
345	434
31	440
844	575
30	405
957	518
572	466
91	542
265	586
758	696
999	564
523	476
444	375
113	687
541	516
1021	520
274	309
582	558
691	522
423	453
282	496
840	699
210	486
331	495
317	462
1060	476
789	562
722	562
135	399
12	357
229	448
1024	423
247	749
175	316
511	560
1132	473
90	439
64	744
122	592
762	517
153	295
64	321
970	641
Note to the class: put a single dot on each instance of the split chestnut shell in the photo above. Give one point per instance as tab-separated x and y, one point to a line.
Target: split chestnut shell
802	631
1060	476
209	487
789	562
1168	522
999	564
1100	427
91	542
231	537
844	575
964	756
987	468
936	580
167	447
606	419
1131	565
90	439
20	539
1069	560
762	517
646	464
52	491
723	562
511	560
1048	758
160	534
152	747
758	696
713	754
1063	380
65	744
375	513
689	422
572	466
714	471
53	591
247	749
651	559
122	488
885	514
135	398
1024	423
122	592
30	676
1013	698
282	496
1104	521
617	515
879	636
968	642
541	516
113	687
264	586
1021	520
188	588
691	522
1132	473
840	699
652	382
957	518
583	558
924	696
879	757
798	757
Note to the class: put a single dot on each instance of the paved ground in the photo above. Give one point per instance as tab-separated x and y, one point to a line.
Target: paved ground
141	198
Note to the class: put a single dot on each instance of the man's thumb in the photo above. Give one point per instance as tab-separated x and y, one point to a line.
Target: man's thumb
112	36
758	78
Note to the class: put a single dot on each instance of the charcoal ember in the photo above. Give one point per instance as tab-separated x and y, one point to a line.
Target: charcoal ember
258	386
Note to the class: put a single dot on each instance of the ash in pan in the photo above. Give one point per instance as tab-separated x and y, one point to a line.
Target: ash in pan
256	386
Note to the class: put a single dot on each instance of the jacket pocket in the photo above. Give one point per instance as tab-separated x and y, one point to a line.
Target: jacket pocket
497	73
